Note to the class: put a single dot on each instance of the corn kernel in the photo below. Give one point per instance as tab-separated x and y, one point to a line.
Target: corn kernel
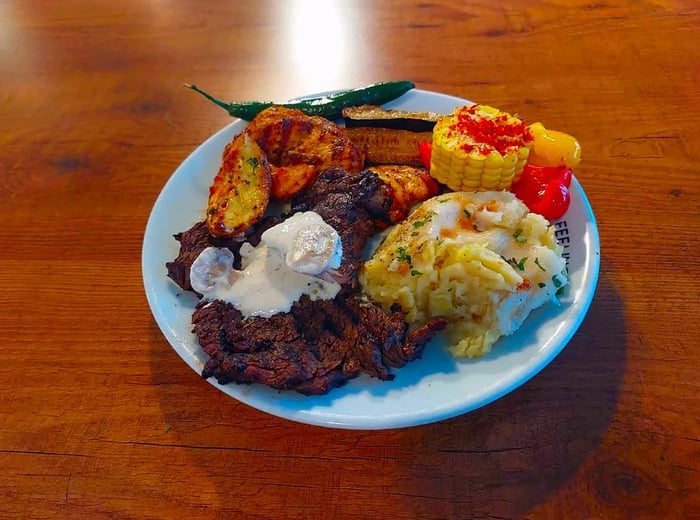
468	157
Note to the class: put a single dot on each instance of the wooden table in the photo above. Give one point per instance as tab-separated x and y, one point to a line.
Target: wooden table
99	418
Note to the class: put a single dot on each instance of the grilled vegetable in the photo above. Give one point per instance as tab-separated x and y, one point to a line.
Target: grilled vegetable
408	185
388	146
329	106
479	148
375	116
425	150
240	192
545	189
553	148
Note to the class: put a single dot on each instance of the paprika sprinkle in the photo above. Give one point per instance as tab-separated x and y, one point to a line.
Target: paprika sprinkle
479	148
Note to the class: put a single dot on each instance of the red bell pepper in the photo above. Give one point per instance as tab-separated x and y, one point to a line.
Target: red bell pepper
425	150
545	190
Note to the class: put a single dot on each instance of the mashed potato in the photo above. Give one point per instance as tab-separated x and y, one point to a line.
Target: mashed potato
481	260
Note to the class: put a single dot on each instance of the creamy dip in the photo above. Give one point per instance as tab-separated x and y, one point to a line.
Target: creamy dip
293	258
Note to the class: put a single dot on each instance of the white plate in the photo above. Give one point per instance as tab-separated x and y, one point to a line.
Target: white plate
427	390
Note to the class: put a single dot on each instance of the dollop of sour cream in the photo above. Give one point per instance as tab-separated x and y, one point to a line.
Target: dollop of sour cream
290	261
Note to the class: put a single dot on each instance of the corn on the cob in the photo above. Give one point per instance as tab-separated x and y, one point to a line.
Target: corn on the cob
479	148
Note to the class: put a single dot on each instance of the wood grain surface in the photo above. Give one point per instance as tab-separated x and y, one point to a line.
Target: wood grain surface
99	417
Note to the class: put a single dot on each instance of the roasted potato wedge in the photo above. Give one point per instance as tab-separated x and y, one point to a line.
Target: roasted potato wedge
408	185
288	181
239	195
299	147
388	145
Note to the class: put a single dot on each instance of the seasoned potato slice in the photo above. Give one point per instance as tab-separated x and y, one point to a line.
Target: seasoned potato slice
409	185
288	181
299	147
240	192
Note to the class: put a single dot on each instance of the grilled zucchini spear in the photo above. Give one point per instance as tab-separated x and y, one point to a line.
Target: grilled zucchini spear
372	115
387	145
389	136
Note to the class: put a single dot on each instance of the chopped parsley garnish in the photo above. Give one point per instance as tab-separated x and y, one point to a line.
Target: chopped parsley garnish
537	263
403	256
423	222
518	236
467	213
542	285
519	264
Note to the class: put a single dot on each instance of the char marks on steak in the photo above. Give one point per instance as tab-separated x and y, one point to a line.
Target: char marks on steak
317	346
320	344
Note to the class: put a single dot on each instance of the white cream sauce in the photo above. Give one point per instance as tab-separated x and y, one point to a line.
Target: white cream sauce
290	261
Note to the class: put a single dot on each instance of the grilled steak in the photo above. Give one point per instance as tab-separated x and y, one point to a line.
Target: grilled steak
320	344
197	239
316	347
192	243
352	204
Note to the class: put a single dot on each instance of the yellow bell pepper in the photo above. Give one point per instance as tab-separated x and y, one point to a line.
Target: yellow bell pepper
553	148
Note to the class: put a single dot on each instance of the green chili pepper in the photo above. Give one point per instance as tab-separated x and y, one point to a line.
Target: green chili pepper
329	106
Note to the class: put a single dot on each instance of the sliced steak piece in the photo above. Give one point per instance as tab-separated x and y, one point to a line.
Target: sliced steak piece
197	239
317	346
321	344
351	204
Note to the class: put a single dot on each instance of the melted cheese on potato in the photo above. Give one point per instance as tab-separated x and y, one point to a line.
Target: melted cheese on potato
480	260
